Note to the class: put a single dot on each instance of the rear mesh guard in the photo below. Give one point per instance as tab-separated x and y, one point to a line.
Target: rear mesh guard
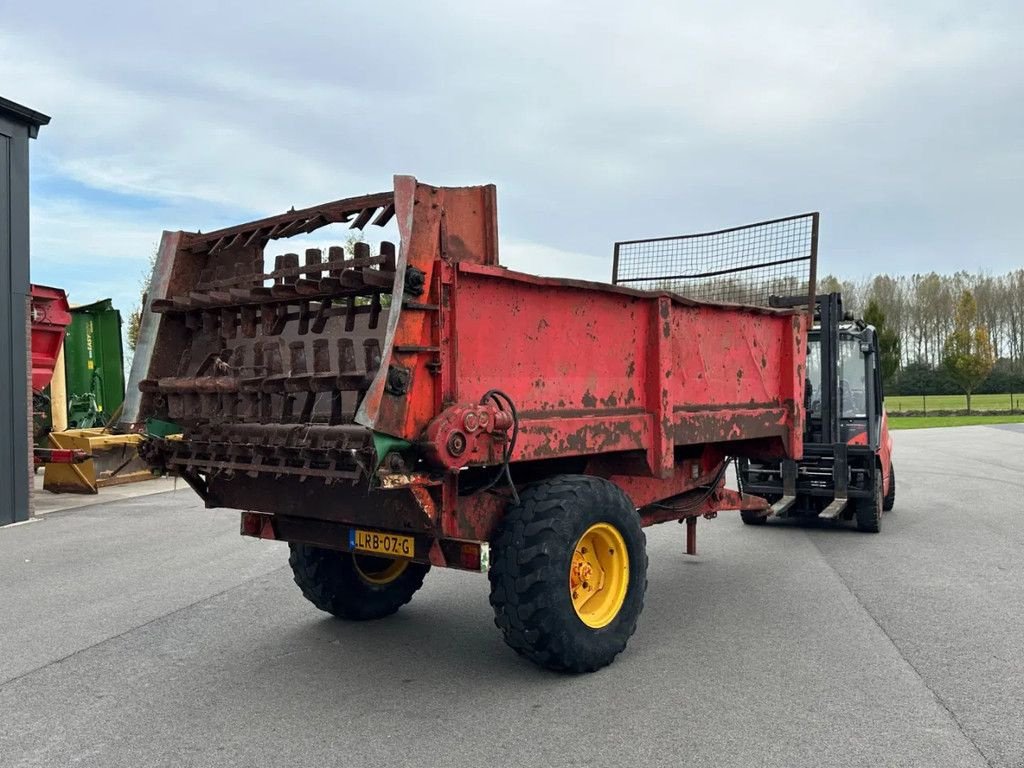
275	363
741	265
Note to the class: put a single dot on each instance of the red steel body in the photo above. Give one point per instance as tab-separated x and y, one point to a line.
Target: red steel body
648	389
50	318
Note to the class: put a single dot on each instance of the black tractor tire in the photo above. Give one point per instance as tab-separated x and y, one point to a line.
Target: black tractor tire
338	583
750	517
532	558
890	498
868	512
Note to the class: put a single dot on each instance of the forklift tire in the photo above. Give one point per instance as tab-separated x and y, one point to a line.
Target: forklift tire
868	512
890	497
750	517
354	587
564	532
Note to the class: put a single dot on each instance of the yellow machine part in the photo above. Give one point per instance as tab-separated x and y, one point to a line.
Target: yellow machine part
59	395
115	460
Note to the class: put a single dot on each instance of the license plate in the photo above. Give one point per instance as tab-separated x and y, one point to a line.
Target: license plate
387	544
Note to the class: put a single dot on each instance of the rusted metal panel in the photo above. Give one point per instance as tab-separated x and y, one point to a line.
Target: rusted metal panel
574	356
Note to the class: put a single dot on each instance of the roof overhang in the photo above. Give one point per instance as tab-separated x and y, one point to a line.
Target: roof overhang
22	114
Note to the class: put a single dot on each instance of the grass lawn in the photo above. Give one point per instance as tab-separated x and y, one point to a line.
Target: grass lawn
920	422
896	403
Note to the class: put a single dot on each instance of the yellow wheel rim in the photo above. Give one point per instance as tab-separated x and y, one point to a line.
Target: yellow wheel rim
378	570
599	575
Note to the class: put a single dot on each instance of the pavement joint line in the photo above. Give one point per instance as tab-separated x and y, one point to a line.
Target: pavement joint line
20	522
143	625
941	701
49	512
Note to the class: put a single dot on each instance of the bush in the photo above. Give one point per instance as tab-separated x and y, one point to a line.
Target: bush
922	379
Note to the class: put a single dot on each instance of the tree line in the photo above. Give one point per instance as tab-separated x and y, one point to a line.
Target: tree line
938	328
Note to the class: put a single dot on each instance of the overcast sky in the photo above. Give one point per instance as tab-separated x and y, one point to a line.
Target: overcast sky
900	122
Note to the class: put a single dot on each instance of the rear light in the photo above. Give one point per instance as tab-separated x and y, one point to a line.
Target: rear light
475	556
469	557
255	524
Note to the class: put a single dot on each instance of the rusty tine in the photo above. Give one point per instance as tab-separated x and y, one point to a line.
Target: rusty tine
375	310
268	316
371	349
290	261
385	215
361	250
314	257
297	355
248	322
350	315
228	326
321	356
335	255
363	218
387	250
346	356
320	322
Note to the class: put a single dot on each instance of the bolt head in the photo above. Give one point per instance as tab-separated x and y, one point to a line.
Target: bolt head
456	443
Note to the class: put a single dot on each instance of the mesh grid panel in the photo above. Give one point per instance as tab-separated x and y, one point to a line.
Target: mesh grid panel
744	265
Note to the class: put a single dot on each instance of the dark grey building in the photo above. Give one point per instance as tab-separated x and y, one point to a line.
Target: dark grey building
18	124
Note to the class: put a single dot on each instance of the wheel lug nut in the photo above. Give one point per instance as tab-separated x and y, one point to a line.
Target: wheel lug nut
586	585
583	550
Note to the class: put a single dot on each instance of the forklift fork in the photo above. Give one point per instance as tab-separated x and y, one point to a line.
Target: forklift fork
840	481
780	507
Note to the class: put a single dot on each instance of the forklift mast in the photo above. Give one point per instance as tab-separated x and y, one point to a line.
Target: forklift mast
830	312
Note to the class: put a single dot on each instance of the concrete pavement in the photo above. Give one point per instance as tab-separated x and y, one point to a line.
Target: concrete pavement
44	502
147	632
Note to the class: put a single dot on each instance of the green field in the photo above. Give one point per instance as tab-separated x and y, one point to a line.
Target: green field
921	422
898	403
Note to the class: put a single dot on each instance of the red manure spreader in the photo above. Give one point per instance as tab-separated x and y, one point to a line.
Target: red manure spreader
388	410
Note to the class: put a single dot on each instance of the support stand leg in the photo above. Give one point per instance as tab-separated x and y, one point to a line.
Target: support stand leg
691	535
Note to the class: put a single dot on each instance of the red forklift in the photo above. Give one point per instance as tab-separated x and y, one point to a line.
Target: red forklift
846	472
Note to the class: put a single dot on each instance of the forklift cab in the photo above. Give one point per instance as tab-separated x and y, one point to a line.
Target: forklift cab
846	470
857	380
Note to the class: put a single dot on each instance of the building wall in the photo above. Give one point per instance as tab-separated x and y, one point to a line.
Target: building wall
15	389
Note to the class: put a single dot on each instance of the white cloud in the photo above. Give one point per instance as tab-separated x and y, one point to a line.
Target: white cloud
72	232
540	259
598	120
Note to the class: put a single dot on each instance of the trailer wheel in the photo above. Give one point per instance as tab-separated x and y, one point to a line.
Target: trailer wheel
890	497
868	512
354	587
568	573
